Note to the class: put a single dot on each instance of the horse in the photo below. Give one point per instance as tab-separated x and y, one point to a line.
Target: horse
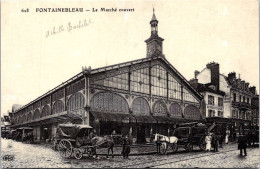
105	142
163	141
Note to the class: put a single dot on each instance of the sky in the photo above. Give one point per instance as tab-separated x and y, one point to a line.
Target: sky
196	32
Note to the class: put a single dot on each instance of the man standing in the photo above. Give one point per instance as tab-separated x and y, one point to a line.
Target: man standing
126	147
158	143
215	142
242	144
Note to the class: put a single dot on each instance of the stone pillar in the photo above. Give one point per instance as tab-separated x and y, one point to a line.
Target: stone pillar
182	101
86	73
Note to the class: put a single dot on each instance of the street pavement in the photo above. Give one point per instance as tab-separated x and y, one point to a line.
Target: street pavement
42	156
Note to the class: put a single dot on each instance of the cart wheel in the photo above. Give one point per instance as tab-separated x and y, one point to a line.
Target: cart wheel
78	154
65	148
189	147
174	148
163	147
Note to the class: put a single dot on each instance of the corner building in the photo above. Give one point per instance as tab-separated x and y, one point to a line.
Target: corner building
139	98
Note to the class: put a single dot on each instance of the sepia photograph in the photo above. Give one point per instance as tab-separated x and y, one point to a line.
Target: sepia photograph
130	84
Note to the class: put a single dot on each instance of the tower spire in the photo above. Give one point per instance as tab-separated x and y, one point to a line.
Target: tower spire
154	43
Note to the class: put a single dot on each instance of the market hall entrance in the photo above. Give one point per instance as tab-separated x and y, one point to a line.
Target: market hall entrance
141	133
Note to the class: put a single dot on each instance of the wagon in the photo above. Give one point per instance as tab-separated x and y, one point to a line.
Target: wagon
188	137
11	134
4	132
73	140
27	134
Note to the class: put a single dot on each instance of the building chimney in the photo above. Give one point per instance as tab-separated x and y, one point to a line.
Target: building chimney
243	84
196	73
214	69
194	83
239	83
232	75
246	86
252	90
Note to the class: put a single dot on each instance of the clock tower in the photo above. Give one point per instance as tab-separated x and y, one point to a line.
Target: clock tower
154	43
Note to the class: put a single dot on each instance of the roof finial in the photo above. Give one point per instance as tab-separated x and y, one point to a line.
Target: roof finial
154	17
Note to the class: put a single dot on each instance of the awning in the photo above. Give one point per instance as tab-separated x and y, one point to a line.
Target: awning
116	117
239	120
218	119
144	119
163	119
175	120
187	120
51	118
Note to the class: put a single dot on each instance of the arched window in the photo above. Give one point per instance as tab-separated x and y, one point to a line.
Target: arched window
109	102
29	117
58	107
192	112
24	118
160	108
140	106
46	111
76	101
175	110
37	114
20	119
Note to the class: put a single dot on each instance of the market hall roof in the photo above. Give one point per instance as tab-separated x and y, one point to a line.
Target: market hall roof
16	107
114	67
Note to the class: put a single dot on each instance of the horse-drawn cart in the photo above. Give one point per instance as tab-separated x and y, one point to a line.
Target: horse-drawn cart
75	140
186	137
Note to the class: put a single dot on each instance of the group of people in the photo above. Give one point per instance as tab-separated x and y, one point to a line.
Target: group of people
215	141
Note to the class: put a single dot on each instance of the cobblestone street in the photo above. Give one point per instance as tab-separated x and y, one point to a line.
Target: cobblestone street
41	155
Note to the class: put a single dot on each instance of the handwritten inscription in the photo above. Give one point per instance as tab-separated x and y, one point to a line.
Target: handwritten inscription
68	27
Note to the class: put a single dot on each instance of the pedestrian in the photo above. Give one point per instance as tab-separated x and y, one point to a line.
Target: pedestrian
151	135
215	142
158	143
126	147
208	139
227	135
242	144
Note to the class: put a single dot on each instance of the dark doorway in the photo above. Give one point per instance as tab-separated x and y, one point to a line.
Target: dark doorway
141	134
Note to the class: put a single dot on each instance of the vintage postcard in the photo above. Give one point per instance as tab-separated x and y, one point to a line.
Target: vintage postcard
130	84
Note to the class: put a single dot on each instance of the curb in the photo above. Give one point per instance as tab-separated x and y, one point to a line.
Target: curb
134	154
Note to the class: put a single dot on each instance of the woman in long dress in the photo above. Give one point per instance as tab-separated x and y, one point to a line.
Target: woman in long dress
227	135
208	142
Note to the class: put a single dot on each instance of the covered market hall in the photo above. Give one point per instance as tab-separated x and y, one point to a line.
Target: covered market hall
138	98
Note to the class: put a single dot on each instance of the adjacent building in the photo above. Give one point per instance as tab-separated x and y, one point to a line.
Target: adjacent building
139	98
255	111
227	98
